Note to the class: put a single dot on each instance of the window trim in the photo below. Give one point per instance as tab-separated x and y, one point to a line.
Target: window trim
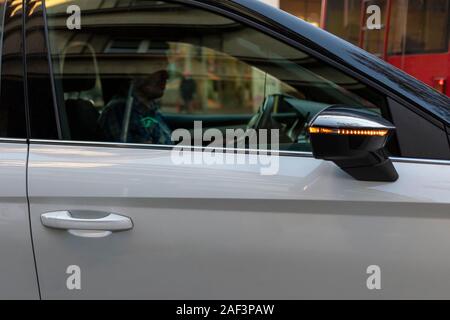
14	140
6	5
231	11
50	69
39	14
25	67
3	7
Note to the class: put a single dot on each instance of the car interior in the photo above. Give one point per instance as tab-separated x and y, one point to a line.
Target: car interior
288	87
87	91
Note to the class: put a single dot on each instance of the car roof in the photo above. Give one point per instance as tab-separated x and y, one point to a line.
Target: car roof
379	71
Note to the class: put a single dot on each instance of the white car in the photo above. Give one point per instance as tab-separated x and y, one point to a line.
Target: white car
348	199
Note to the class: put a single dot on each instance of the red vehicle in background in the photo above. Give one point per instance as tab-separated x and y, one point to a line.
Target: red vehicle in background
414	34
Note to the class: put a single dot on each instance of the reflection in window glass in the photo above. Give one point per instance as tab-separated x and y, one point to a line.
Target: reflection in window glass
12	106
137	71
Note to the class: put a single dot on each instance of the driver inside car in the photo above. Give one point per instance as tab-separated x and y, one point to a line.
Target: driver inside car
135	117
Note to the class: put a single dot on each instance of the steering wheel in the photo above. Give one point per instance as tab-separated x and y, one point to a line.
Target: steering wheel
264	119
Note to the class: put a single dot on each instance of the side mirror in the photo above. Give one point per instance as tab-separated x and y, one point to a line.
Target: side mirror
354	139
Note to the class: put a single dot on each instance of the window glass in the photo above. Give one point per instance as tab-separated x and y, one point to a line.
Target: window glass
2	20
137	71
12	105
420	26
41	106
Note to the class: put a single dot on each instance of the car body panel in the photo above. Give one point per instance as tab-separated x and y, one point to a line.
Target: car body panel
228	232
17	270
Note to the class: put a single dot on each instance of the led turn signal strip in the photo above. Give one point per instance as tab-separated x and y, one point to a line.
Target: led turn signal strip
348	132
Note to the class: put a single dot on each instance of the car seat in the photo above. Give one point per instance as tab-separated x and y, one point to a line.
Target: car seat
79	74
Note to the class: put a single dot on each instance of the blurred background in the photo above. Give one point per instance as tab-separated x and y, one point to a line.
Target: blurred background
414	35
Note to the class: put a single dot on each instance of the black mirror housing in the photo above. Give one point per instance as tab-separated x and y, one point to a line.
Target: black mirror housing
354	139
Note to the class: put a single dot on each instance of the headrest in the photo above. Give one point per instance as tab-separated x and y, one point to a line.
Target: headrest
79	68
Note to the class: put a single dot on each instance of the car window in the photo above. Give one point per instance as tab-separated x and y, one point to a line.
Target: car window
137	71
12	105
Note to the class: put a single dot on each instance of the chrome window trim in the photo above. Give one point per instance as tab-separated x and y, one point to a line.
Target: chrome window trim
167	147
193	148
13	140
420	161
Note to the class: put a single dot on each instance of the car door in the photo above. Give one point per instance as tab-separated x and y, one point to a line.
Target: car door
127	219
18	279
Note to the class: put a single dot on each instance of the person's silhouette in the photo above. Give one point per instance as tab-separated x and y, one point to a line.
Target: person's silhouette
136	118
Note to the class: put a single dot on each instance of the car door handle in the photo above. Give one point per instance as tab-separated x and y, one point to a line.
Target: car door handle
67	221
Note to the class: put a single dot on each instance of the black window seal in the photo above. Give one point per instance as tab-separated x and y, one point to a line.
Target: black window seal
4	7
25	68
46	45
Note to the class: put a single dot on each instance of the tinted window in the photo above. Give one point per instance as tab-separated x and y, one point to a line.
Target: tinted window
12	104
41	105
137	71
